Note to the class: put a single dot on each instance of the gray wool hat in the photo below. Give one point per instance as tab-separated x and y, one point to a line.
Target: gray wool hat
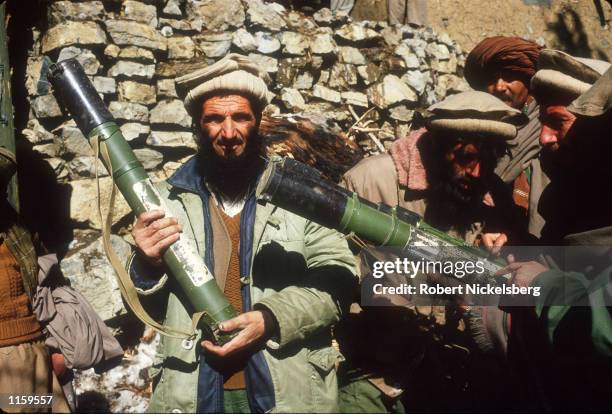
474	112
232	73
597	100
559	72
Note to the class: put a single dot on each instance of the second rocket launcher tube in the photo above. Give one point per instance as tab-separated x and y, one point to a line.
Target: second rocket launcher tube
77	94
302	190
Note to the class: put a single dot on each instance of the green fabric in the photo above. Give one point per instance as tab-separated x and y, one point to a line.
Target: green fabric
305	302
235	401
565	289
363	397
20	243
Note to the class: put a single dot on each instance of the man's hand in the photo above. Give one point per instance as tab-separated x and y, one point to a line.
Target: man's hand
252	330
154	233
523	273
493	242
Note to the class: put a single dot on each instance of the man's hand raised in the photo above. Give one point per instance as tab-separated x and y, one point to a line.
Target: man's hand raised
154	233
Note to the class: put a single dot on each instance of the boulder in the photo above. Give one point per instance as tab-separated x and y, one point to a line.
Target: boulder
322	43
149	158
303	80
355	99
170	112
127	69
172	139
268	63
215	45
369	73
86	58
130	33
137	92
292	99
438	51
84	202
90	272
324	16
342	76
417	80
172	9
58	166
104	85
352	55
244	40
46	107
133	130
294	43
326	94
61	11
137	54
405	52
357	34
389	91
166	88
129	111
217	15
267	16
84	167
36	133
71	142
401	113
73	33
267	44
180	48
140	12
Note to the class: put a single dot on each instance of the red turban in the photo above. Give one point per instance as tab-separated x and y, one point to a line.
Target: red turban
499	53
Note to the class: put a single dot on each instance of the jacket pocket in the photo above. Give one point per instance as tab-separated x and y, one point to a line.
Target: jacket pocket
323	380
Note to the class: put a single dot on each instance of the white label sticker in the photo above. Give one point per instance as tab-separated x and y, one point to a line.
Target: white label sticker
185	252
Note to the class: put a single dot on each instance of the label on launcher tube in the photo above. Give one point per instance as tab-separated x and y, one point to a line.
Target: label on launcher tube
185	252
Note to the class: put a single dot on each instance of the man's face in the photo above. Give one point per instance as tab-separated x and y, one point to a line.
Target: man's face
465	167
557	122
229	123
510	88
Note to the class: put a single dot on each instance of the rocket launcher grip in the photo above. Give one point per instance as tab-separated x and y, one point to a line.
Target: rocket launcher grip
76	93
302	190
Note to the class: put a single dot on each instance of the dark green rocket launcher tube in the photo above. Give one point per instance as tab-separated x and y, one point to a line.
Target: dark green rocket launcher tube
76	93
302	190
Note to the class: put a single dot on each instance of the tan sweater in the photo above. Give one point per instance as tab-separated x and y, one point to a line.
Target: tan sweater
17	322
235	374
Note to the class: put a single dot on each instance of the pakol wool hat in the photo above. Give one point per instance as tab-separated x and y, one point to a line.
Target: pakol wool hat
474	112
560	73
597	100
233	73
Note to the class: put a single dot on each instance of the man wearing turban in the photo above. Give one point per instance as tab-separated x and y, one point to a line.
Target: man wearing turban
503	67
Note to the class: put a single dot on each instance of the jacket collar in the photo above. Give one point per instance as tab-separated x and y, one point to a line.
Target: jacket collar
188	177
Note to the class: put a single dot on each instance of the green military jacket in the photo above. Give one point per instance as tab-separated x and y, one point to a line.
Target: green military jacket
302	361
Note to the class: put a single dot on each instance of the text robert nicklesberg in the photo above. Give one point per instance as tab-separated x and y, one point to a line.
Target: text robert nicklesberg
458	269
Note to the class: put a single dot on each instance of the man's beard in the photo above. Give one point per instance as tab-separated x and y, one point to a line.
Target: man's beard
235	173
451	205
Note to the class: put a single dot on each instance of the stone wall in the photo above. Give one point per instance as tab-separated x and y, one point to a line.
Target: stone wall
320	64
